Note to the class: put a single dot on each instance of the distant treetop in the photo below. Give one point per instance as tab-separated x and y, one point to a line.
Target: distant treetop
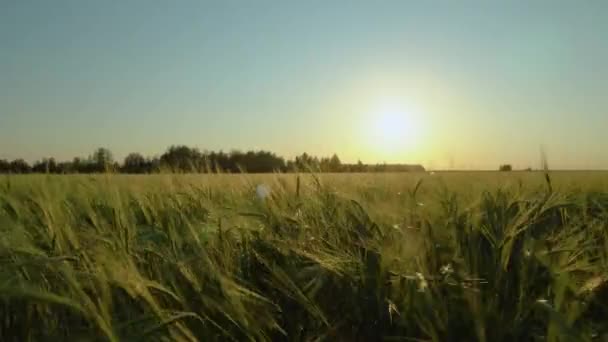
184	159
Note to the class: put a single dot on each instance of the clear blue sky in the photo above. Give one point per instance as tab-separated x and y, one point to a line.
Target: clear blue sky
487	81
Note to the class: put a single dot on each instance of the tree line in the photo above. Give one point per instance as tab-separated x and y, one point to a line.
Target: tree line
184	159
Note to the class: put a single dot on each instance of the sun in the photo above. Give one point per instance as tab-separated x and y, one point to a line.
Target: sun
392	127
395	131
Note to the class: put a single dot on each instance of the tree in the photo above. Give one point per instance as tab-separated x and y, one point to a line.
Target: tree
5	166
40	166
305	162
154	164
182	159
65	167
380	167
324	164
335	164
19	166
102	160
291	166
360	167
135	163
505	167
77	165
45	166
186	159
264	161
329	164
51	166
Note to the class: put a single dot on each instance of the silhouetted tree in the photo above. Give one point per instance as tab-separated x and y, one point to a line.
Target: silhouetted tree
135	163
154	164
5	166
222	162
40	166
335	164
263	161
77	165
19	166
380	167
360	167
65	167
182	159
305	162
186	159
102	160
505	167
45	166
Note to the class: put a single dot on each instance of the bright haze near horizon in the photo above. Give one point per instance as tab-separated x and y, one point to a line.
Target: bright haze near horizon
467	85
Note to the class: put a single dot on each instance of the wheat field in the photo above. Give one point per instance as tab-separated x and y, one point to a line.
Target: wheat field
446	256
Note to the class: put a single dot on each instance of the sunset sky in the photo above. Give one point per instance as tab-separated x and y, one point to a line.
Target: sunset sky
468	85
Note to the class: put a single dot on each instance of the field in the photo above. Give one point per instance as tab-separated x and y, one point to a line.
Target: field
449	256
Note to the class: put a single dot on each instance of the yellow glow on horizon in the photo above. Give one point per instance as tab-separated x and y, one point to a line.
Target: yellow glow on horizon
395	132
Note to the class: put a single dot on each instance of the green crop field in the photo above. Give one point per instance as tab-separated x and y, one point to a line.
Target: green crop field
446	256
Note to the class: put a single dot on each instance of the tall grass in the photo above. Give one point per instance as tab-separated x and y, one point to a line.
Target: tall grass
455	257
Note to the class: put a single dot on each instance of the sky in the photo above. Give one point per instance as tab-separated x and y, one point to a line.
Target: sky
449	84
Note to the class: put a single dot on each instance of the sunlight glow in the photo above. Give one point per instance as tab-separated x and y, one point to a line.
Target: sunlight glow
395	131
